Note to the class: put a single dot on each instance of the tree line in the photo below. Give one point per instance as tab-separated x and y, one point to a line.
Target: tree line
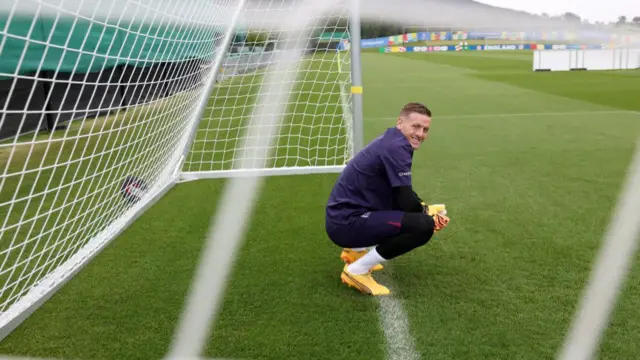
622	21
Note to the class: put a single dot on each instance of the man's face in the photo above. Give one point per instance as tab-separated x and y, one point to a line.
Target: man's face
415	128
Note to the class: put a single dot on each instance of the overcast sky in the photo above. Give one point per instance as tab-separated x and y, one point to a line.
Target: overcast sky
594	10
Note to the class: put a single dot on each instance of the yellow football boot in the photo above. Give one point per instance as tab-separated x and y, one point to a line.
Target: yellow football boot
349	256
363	283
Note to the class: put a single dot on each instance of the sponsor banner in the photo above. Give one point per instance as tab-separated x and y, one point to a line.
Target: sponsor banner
500	47
553	35
567	47
424	36
504	47
395	49
434	36
374	43
441	35
534	35
460	35
478	35
510	35
436	48
410	37
397	39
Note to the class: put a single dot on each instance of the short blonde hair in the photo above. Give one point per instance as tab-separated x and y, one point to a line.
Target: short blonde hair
414	107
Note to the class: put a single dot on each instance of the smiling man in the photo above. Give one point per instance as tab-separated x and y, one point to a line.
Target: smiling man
373	212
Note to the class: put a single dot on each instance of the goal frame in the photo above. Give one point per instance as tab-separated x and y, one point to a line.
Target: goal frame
355	117
55	280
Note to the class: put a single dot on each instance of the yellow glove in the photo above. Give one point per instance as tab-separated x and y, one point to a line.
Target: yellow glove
440	221
438	212
434	209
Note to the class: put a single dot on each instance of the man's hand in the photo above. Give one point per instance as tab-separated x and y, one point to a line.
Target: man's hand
440	221
434	209
438	212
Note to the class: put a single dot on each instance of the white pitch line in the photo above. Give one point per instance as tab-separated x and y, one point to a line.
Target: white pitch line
395	325
609	272
559	113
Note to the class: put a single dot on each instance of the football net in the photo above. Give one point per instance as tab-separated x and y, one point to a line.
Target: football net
315	122
105	106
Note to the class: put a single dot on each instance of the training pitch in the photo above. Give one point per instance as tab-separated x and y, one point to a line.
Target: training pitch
530	166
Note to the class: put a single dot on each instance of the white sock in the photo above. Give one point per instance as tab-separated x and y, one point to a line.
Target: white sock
365	263
359	249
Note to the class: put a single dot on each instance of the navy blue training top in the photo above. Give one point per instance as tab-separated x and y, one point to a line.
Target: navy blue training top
367	181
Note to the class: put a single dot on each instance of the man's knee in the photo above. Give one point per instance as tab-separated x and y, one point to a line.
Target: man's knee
417	230
421	226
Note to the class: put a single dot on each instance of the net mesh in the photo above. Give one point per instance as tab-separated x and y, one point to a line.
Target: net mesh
99	102
315	128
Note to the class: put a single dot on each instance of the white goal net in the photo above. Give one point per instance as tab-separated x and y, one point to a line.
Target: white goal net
105	105
315	114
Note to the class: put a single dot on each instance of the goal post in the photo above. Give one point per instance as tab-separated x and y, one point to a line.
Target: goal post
105	107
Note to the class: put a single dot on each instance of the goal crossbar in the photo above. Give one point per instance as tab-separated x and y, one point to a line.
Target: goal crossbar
198	175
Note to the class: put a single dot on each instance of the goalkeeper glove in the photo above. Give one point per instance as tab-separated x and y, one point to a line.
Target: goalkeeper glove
440	222
434	209
438	213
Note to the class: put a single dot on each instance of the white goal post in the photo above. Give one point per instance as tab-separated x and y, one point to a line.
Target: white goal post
104	106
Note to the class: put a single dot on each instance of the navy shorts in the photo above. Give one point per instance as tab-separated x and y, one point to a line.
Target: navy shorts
368	229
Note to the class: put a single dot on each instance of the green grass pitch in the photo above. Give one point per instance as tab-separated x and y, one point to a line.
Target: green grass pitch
529	165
